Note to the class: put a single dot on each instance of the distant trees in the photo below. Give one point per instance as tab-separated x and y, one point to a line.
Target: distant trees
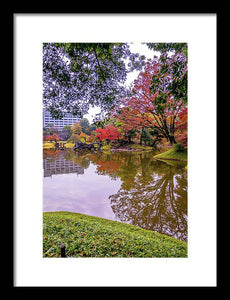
53	137
65	133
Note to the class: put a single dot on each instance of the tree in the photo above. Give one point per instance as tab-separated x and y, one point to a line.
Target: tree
65	133
53	137
145	137
50	129
169	47
76	75
109	133
153	104
82	137
90	129
131	134
76	128
129	122
175	67
84	124
182	128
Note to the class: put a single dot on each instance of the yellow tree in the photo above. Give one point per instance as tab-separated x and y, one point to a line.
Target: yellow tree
76	128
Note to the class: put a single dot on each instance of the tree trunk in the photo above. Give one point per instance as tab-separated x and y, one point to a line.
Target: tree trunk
172	139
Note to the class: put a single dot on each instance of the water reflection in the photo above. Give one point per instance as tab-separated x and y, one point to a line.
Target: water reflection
155	201
60	166
152	194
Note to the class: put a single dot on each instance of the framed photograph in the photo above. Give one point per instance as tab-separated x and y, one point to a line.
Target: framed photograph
115	150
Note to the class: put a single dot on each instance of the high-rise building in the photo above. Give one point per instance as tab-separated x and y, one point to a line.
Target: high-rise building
68	119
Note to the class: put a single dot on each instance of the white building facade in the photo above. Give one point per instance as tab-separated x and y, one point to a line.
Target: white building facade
68	119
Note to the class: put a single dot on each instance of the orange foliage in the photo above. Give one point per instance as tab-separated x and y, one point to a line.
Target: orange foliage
109	167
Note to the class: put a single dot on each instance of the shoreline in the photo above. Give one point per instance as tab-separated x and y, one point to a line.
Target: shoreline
170	154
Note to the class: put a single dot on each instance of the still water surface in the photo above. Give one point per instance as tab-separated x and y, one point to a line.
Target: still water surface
129	187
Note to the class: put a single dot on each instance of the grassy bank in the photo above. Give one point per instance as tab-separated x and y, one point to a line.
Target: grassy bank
127	148
87	236
173	154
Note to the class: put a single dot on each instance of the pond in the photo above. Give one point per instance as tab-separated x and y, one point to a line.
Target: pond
130	187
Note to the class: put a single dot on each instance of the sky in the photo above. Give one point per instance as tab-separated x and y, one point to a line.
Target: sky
140	48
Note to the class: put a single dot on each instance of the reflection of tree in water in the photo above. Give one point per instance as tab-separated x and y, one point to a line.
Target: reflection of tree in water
156	201
153	194
81	158
50	153
115	166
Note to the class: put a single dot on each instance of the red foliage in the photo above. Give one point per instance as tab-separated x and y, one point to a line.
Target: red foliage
181	128
157	110
53	137
109	133
108	167
50	153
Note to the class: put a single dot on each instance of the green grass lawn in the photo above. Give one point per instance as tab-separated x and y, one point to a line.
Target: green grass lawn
87	236
173	154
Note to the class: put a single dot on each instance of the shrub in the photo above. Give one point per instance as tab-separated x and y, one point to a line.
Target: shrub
178	147
106	147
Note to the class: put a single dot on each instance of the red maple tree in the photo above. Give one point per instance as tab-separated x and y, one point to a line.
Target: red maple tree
108	133
154	108
181	128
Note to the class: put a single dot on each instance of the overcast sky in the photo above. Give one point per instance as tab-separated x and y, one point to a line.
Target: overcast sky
142	49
